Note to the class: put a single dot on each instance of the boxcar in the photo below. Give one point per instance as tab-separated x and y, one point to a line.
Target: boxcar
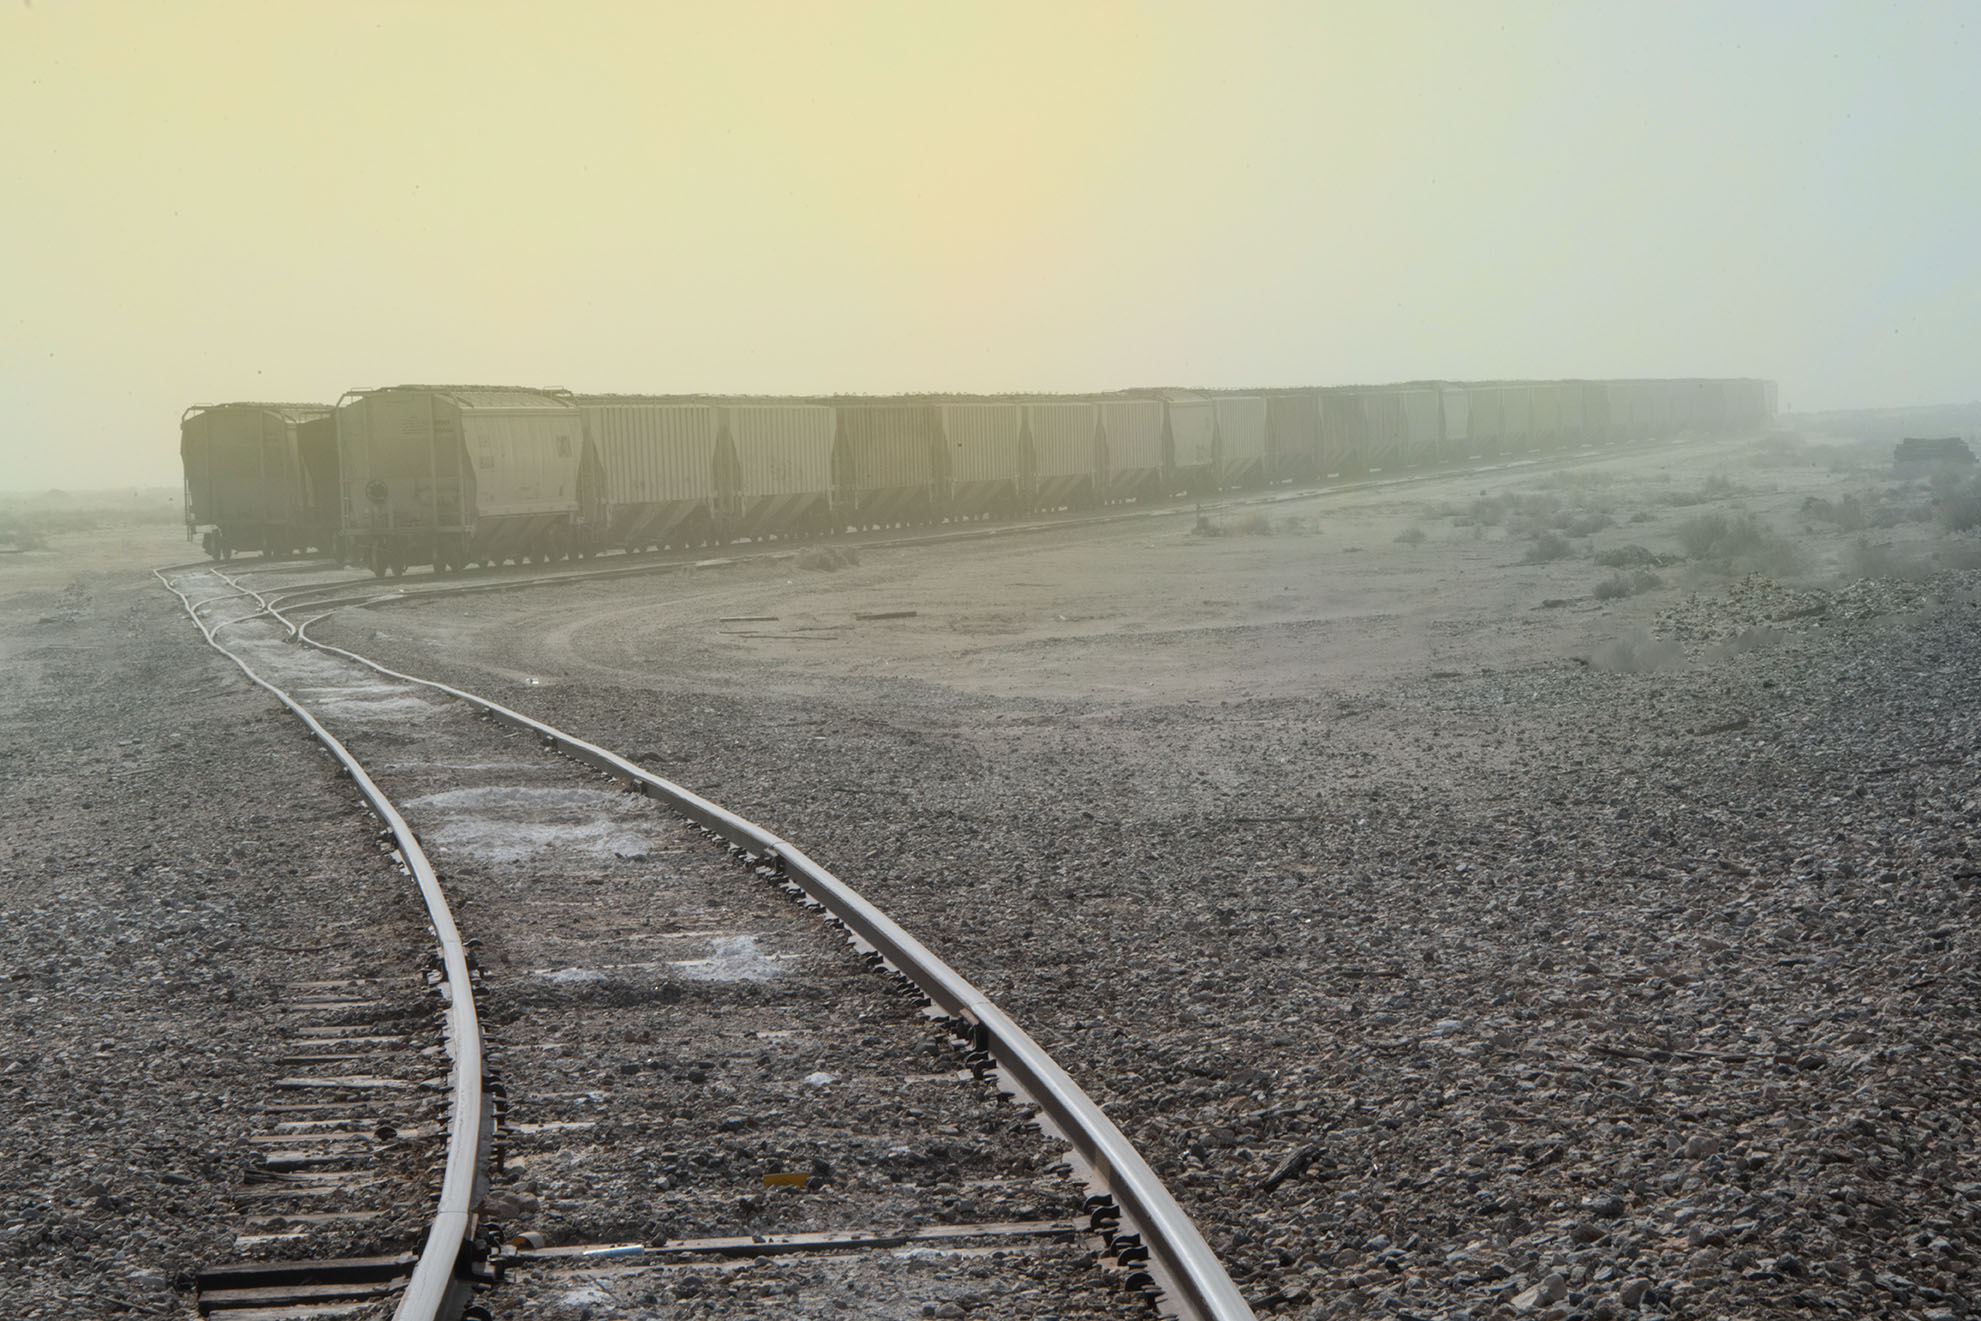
452	475
1190	442
986	451
1423	427
1293	436
1386	429
1482	422
260	477
779	455
1344	433
1064	448
1454	422
1241	440
656	465
889	464
1594	410
1133	435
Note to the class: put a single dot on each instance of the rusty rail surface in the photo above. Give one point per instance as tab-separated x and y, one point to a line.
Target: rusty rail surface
437	1289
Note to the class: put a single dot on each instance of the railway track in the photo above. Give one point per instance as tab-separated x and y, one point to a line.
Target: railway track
656	1084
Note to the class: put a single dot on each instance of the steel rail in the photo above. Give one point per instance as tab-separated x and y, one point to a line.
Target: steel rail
1193	1281
437	1288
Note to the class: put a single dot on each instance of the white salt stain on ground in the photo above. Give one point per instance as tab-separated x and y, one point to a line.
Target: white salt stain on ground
508	823
735	959
731	959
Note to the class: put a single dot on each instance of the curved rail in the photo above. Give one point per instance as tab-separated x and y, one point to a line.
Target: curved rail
1194	1282
436	1288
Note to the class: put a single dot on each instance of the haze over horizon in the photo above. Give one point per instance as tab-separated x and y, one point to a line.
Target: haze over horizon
215	200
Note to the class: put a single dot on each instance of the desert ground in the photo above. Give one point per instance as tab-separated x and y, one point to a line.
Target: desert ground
1543	891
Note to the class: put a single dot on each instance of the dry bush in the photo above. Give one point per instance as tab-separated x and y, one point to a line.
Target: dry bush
1717	487
1619	585
1958	506
1411	536
826	559
1548	547
1631	556
1722	536
1253	525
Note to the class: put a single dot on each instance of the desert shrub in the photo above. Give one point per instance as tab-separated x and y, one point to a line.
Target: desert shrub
1958	507
1619	585
1411	536
1547	547
826	559
1631	556
1721	536
1585	524
1738	540
1253	525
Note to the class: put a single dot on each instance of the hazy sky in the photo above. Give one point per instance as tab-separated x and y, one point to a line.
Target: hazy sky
210	201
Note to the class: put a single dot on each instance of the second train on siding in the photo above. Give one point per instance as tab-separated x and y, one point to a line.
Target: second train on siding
452	476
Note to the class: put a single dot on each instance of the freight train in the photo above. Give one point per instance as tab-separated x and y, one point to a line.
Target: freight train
453	476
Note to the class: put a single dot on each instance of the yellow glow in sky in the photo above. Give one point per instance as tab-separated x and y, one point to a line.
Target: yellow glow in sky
212	201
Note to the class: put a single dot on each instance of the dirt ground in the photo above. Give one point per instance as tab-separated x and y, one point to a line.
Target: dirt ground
1548	891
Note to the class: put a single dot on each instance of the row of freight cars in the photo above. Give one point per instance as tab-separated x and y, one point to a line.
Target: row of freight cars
458	475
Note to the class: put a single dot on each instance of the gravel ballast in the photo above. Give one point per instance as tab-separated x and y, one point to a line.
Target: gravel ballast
1620	979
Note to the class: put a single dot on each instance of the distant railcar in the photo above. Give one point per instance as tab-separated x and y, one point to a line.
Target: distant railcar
1293	435
1344	433
1134	434
1242	459
1190	446
458	475
1064	448
260	477
1423	427
988	467
779	458
889	464
658	471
